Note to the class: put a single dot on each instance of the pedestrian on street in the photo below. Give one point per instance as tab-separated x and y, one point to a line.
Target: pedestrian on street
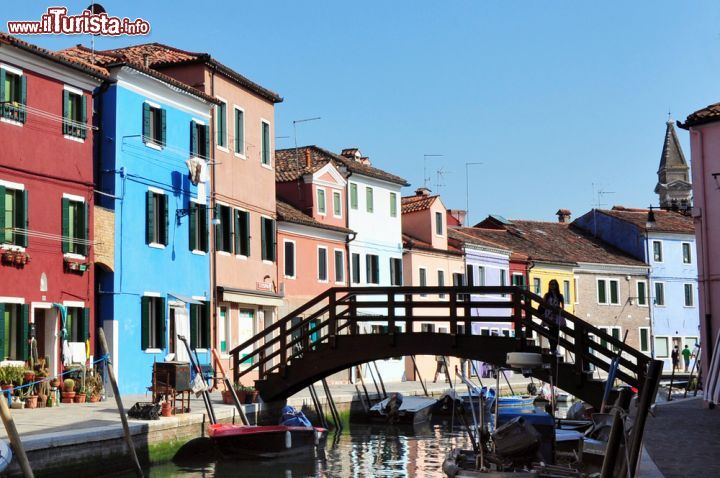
441	367
686	353
675	356
553	318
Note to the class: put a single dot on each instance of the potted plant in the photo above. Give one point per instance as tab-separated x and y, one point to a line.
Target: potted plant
68	393
80	396
246	394
29	375
31	401
166	410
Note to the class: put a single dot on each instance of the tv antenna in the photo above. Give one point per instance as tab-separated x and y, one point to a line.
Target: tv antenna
426	179
294	123
439	177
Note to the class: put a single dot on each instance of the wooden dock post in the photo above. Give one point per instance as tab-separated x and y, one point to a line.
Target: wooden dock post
14	438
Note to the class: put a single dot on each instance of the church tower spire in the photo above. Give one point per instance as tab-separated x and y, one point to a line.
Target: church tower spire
673	185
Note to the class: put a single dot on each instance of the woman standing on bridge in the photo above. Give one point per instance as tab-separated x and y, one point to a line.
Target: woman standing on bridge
553	317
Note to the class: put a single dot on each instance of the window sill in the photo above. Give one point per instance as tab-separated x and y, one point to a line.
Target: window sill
240	156
152	351
73	138
266	166
223	148
340	282
224	253
11	247
10	121
322	281
199	253
289	277
270	263
153	145
156	245
241	257
71	255
200	350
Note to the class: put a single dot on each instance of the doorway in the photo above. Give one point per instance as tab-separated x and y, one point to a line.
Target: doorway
45	320
179	325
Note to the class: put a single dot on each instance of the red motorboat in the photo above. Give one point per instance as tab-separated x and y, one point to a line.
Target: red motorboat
265	441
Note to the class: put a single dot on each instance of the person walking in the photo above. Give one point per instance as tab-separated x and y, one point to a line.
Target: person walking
686	353
553	318
441	367
675	357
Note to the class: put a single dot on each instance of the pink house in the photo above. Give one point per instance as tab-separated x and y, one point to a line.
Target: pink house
704	127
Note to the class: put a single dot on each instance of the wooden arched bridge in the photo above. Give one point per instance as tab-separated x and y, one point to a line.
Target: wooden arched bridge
331	333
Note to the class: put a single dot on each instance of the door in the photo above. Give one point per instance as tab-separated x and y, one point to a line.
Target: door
246	330
181	325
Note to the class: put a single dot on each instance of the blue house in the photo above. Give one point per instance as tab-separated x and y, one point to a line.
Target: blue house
153	176
665	240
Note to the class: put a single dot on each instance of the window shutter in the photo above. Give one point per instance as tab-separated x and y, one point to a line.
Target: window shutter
85	230
205	309
86	324
236	224
273	241
145	322
163	319
204	236
66	111
146	124
206	153
83	116
193	226
193	139
263	235
2	322
219	232
21	210
193	325
149	217
65	225
163	129
23	96
22	346
2	214
165	222
246	235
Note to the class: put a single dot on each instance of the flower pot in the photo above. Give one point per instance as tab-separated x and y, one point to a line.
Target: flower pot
41	401
241	395
227	397
251	397
166	410
68	395
31	401
94	398
55	383
80	398
29	377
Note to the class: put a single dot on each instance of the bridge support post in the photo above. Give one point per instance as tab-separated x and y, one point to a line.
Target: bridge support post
391	317
518	320
332	319
453	319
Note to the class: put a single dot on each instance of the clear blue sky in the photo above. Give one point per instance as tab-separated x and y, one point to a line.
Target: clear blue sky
552	96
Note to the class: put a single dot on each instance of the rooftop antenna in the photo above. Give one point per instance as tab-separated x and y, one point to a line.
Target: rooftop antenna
439	176
95	9
295	122
598	195
425	176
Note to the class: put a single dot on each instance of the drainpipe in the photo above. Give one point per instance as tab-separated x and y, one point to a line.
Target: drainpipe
651	297
213	249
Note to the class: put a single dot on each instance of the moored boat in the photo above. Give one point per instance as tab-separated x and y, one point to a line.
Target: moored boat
516	401
397	409
265	441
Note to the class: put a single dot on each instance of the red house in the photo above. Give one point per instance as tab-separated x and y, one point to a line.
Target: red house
46	202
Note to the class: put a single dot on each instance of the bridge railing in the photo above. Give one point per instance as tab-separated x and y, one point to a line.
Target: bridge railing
388	311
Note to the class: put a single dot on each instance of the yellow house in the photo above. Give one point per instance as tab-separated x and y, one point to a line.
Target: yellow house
541	273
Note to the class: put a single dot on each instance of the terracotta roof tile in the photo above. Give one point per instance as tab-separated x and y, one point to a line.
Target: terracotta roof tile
708	114
291	164
411	242
665	221
417	203
287	213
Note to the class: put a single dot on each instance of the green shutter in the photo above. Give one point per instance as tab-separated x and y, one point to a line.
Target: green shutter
246	235
219	233
162	313
165	219
20	238
149	217
193	226
163	129
206	153
146	124
85	229
86	324
83	116
145	323
65	225
193	325
205	309
2	214
203	225
23	96
66	111
273	240
22	346
236	225
193	139
2	325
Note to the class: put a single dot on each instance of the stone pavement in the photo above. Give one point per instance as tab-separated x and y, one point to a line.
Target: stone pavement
682	439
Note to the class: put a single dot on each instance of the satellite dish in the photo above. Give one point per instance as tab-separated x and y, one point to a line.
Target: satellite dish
96	8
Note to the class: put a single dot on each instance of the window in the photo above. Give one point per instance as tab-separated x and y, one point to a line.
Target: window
689	301
441	282
427	328
469	273
642	292
614	294
223	231
152	318
644	333
608	292
393	205
154	124
372	269
77	324
661	347
13	215
423	279
458	279
687	258
239	131
221	112
339	266
657	251
659	293
289	248
438	224
242	233
503	279
321	201
537	285
396	271
199	140
74	114
481	276
74	227
518	280
198	227
369	199
355	268
16	325
13	94
353	196
337	204
613	331
156	218
566	290
223	330
268	239
322	264
200	326
691	342
265	150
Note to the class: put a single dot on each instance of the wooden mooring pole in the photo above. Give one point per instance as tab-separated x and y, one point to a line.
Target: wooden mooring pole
14	437
121	410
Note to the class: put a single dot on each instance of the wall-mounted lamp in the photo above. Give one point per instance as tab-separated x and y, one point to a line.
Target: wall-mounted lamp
180	213
651	218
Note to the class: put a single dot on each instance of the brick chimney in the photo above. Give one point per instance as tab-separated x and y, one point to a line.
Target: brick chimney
308	158
456	217
422	192
564	215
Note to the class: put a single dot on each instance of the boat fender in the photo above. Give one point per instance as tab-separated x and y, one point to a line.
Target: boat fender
6	455
317	437
288	440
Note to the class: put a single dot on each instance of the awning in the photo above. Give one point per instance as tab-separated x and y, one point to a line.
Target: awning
253	299
184	298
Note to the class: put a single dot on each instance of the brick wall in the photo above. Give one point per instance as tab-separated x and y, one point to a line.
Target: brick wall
104	237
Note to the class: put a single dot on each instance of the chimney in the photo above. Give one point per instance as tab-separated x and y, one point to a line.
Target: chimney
422	192
308	158
456	217
564	215
146	60
352	154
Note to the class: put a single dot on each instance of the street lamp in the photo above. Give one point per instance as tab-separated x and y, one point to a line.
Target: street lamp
467	190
